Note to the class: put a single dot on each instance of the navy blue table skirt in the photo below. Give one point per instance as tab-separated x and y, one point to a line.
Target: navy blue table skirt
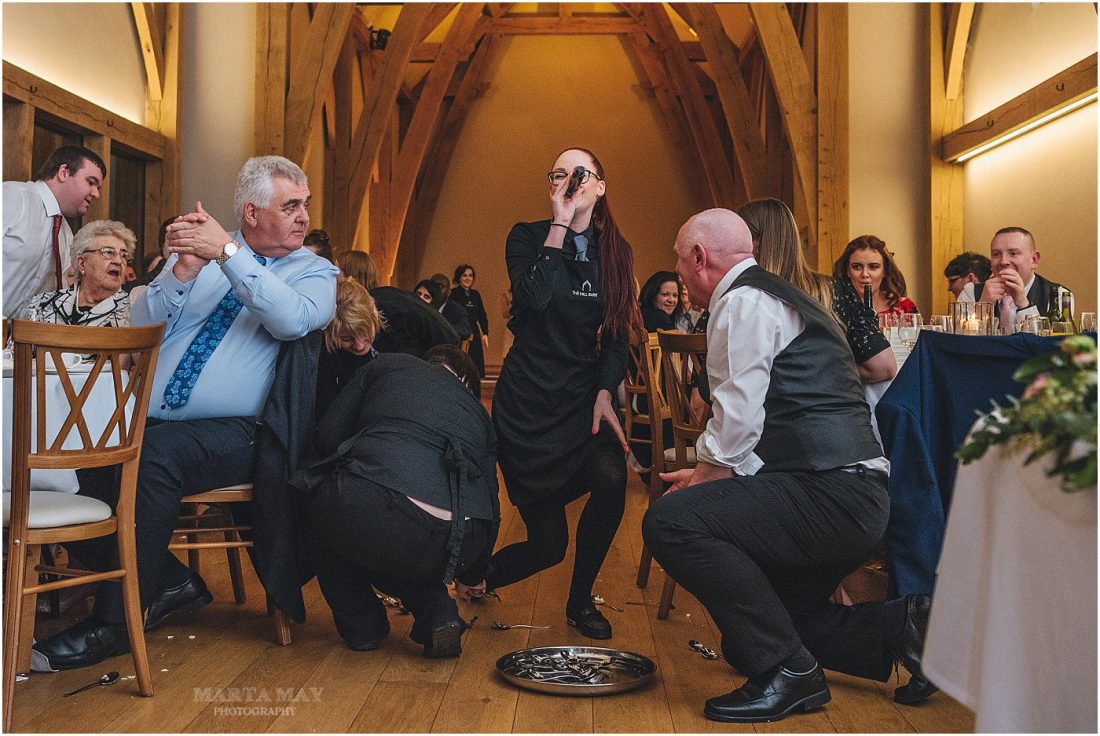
924	417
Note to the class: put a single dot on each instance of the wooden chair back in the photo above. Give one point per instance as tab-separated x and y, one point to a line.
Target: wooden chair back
41	348
465	346
683	359
643	381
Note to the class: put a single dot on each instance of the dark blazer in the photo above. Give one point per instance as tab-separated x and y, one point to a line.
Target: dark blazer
458	318
284	442
412	326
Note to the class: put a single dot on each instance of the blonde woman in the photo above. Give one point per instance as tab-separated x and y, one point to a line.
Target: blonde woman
349	340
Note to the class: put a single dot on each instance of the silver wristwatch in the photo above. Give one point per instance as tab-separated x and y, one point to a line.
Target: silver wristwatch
228	251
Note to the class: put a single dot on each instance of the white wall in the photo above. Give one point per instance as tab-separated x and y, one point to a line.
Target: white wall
888	119
218	103
104	67
1044	180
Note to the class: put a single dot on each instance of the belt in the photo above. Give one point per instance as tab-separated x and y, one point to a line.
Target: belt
868	474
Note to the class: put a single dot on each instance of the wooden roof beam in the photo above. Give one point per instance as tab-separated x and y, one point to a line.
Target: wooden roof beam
739	111
574	25
147	20
959	18
311	76
797	100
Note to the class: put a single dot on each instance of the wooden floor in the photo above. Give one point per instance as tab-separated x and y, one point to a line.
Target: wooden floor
220	670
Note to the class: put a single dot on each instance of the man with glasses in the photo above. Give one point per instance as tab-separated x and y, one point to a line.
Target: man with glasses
966	268
230	301
36	235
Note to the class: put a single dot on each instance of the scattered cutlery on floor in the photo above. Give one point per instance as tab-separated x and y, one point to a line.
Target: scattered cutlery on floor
108	679
504	627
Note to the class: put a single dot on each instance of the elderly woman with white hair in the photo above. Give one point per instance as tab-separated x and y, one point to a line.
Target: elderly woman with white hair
100	252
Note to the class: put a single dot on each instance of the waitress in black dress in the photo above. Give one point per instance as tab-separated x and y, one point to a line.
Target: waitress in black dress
466	296
573	312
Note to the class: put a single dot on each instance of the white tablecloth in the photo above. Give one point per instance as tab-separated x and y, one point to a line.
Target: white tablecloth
1012	633
872	392
97	412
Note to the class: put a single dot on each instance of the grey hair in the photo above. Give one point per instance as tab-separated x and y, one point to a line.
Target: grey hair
85	238
254	183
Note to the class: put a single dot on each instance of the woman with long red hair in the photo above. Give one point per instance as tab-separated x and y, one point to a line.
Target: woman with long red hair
574	310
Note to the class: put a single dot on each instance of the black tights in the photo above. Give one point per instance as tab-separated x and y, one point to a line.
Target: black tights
603	474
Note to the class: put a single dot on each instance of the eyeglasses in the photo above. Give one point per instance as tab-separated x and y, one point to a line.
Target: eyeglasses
107	253
557	177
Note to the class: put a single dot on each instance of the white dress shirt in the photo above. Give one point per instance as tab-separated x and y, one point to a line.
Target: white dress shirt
1018	315
748	328
29	208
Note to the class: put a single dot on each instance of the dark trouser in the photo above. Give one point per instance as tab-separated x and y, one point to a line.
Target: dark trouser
603	473
763	553
364	535
178	458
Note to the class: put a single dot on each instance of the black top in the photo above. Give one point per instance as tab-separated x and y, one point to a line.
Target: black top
542	407
456	316
656	319
860	323
815	415
412	326
475	309
334	370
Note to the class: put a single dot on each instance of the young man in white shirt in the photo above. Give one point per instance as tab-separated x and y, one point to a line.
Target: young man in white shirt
789	494
35	258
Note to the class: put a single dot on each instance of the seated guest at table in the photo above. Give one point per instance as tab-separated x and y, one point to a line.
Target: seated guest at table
778	249
427	290
411	527
349	340
412	326
100	252
230	300
37	237
659	300
1017	290
966	268
454	313
318	243
689	315
866	262
789	494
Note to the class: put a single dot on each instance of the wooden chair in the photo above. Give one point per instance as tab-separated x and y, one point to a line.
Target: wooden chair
683	358
40	518
186	537
643	381
465	346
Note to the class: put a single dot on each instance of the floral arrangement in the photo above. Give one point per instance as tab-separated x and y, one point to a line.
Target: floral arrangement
1056	415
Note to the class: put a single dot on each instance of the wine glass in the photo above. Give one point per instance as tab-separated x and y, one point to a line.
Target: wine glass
942	321
1037	325
888	323
909	328
1088	321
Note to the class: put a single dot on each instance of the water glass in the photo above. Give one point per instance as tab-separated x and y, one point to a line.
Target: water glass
941	321
1088	321
909	328
1059	327
1036	325
888	323
973	318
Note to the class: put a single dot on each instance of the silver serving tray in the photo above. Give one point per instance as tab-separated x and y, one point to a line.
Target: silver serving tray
576	670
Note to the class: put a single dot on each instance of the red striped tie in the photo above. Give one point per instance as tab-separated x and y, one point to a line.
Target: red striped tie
57	250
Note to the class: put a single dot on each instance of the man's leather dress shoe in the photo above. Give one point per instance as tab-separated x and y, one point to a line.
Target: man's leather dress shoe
589	621
442	639
907	648
186	598
85	643
771	697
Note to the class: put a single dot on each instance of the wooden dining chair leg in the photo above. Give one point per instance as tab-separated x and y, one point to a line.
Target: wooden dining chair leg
233	559
131	596
192	510
282	623
13	614
29	608
666	597
644	564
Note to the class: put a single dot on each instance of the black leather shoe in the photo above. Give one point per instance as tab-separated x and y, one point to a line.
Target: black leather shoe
908	647
771	697
444	639
589	621
85	643
186	598
369	642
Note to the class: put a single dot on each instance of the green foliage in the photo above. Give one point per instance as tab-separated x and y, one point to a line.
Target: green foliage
1056	415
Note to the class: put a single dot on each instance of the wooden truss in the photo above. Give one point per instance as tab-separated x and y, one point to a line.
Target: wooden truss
747	118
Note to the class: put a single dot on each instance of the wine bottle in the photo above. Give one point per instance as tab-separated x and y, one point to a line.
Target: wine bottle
1066	298
868	298
1054	309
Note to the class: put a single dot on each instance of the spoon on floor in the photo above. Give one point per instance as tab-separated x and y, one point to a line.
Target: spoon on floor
599	601
505	627
108	679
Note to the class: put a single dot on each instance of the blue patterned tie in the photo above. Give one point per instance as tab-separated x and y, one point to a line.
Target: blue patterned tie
582	247
178	390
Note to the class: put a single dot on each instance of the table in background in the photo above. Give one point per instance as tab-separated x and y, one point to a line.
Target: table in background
97	412
1012	633
923	418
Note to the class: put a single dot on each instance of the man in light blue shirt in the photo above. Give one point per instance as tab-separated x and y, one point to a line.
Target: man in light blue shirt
229	300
